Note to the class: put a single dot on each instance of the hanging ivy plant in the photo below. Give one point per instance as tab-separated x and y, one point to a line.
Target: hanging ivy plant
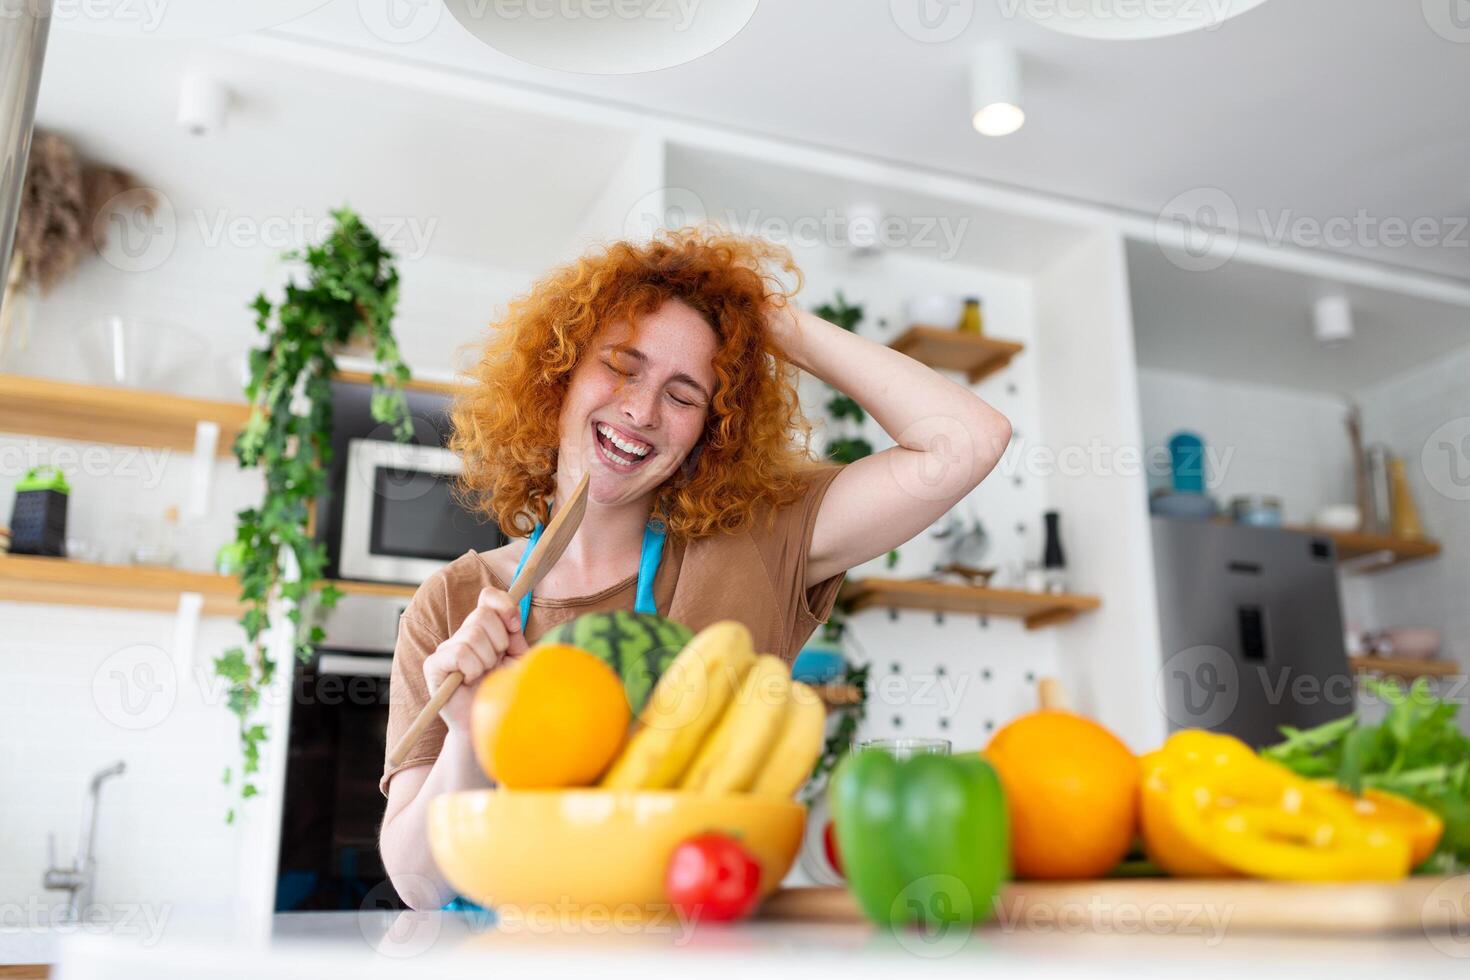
350	294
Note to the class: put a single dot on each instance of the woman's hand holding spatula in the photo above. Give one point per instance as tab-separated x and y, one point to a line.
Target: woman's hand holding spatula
496	630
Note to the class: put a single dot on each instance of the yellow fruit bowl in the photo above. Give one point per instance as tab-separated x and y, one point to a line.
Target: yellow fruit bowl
588	849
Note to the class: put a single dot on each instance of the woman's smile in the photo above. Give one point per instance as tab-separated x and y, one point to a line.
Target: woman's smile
619	449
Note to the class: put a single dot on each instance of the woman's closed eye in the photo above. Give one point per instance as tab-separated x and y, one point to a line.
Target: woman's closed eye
617	370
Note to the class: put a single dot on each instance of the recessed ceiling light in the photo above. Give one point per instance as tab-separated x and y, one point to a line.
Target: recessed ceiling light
995	90
1332	321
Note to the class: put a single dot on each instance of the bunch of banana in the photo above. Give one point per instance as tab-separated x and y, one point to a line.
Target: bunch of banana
723	720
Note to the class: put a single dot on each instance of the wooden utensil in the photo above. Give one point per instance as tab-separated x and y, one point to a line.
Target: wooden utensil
549	548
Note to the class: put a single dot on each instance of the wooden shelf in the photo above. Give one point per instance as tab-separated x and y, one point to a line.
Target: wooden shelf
119	416
1376	552
62	581
383	589
131	416
412	384
977	355
1404	668
30	578
838	695
1036	609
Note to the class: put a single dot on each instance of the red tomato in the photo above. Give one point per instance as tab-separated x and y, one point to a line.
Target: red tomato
829	844
711	877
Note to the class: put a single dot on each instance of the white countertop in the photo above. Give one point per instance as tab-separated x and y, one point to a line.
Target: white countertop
445	945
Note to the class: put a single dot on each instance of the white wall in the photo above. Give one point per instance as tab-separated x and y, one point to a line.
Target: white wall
1259	439
1091	435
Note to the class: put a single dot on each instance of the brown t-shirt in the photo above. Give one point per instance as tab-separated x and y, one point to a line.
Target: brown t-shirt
754	576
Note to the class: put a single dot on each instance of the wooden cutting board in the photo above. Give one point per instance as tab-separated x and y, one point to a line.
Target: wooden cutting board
1162	905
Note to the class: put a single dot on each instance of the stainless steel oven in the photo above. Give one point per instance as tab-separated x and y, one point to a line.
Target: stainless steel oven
400	521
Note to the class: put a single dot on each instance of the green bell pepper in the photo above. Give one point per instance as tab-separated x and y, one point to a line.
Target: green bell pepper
924	841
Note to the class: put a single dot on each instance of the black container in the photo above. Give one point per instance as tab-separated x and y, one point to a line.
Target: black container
38	519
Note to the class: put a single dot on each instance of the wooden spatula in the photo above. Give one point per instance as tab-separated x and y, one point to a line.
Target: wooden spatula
549	548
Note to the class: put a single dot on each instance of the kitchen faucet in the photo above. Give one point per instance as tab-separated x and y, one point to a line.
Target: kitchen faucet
80	878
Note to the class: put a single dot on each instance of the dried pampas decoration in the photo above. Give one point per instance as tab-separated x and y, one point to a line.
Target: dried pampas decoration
60	220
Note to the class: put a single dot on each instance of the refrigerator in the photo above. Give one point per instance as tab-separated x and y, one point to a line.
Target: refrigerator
1252	629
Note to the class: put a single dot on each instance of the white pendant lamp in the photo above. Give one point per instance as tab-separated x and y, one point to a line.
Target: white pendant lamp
1134	20
603	37
995	90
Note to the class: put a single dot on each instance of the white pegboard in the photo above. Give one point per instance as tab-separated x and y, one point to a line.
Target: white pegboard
951	676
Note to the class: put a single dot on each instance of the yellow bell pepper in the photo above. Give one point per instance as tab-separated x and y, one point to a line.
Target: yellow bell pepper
1162	841
1211	806
1422	827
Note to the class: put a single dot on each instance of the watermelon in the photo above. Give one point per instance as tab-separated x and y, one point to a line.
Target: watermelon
637	646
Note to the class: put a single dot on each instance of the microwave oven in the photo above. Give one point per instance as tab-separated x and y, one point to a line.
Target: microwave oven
400	520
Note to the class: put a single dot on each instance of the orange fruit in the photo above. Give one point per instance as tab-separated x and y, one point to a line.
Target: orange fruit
556	717
1072	792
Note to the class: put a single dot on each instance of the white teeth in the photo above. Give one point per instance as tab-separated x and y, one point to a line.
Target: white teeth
632	449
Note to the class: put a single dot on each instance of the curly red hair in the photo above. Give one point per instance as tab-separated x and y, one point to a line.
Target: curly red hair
754	453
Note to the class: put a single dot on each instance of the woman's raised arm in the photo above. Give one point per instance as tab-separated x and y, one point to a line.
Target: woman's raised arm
948	440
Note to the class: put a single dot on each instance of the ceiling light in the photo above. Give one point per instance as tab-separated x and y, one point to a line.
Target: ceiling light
596	37
1112	20
995	90
1332	321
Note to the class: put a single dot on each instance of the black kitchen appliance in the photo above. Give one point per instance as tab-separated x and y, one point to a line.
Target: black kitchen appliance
332	808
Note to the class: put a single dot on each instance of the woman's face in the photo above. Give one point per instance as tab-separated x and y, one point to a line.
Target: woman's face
636	406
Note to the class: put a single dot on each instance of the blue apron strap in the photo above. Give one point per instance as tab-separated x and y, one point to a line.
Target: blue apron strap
526	599
648	561
652	554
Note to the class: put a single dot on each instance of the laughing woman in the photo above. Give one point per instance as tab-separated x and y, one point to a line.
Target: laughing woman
665	371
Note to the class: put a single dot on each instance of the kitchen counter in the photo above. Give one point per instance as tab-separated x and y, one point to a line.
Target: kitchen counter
446	945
